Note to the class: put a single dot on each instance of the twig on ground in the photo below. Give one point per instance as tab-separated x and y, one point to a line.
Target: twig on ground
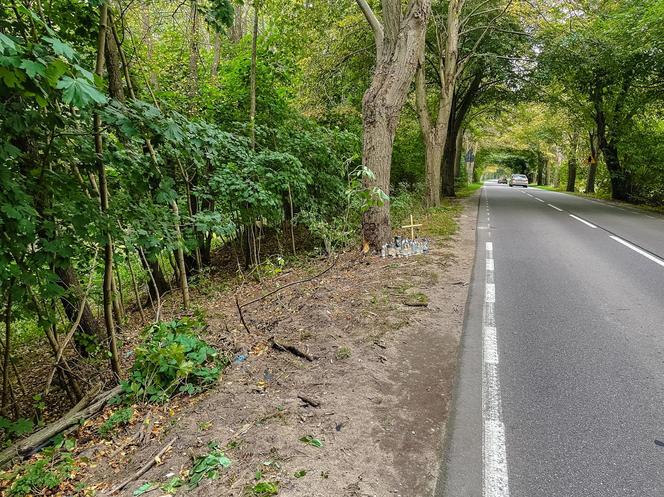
309	401
290	348
305	280
145	468
239	310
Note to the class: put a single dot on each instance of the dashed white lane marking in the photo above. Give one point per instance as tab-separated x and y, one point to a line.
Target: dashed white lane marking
496	483
539	199
583	221
557	208
651	217
636	249
529	194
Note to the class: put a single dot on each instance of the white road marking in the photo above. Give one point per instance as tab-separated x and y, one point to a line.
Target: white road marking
636	249
529	194
490	293
583	221
557	208
651	217
494	451
539	199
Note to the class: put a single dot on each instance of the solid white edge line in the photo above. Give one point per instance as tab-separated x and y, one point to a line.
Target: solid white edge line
494	451
583	221
636	249
557	208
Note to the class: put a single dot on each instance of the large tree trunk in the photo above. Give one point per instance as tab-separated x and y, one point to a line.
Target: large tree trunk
398	44
620	179
437	134
592	163
607	139
377	153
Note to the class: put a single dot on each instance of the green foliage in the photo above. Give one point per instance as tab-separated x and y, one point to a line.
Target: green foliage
173	359
310	440
263	489
208	466
53	466
121	417
15	429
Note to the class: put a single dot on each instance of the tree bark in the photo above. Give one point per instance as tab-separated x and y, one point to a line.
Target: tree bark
572	163
193	49
71	302
540	169
592	166
103	198
236	32
7	351
607	139
398	46
113	69
462	103
458	151
252	79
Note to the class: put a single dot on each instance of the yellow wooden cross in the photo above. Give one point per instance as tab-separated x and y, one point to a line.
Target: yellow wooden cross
412	227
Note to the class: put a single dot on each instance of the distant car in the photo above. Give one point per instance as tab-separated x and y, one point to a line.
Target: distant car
502	180
519	180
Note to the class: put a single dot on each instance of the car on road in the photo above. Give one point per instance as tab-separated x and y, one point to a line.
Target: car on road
502	180
519	180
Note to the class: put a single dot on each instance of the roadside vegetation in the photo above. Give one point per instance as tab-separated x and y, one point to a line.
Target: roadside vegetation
156	156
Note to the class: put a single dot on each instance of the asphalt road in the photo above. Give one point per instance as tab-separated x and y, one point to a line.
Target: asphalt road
561	384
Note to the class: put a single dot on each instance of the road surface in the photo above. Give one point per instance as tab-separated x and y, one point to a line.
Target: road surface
561	385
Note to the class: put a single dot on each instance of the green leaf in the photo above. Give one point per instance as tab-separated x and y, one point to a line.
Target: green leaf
146	487
32	68
310	440
300	473
59	47
6	44
79	92
54	71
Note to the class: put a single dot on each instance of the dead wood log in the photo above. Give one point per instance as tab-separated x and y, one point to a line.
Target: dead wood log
283	347
79	412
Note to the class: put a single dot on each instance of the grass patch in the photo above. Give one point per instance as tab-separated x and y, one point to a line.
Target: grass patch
343	353
417	299
468	190
436	221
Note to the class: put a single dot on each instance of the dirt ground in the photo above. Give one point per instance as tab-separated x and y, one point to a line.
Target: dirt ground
382	336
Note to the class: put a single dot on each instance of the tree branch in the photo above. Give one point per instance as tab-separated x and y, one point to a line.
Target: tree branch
373	21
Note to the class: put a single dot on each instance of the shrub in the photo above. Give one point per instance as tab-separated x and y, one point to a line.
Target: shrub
56	465
121	417
173	359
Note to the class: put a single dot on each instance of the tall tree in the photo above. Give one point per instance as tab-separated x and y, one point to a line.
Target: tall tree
398	40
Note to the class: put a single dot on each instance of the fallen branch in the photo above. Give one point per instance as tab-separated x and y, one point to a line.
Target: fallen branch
145	468
239	310
290	348
309	401
31	444
289	285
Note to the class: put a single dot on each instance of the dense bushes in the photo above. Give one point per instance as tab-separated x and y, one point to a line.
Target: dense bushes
173	359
